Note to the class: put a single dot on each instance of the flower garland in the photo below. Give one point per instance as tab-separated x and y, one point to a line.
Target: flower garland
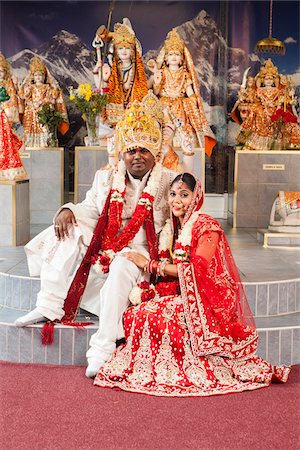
182	244
113	240
145	291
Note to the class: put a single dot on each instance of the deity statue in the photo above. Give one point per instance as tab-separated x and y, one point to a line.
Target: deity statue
269	123
174	82
40	88
246	98
124	76
285	213
12	107
11	167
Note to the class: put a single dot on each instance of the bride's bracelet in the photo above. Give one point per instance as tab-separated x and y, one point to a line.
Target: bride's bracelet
155	267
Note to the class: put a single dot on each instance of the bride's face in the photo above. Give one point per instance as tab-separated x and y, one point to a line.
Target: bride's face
180	198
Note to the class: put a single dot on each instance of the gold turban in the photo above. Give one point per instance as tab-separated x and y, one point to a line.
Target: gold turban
174	42
268	70
37	66
4	63
141	126
123	35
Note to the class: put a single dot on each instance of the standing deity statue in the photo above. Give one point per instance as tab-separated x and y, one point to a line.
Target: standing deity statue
37	89
175	83
124	76
269	123
12	107
246	98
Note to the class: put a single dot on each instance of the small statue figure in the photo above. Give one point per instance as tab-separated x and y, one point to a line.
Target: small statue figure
285	213
174	82
246	98
12	107
124	77
37	89
269	123
11	167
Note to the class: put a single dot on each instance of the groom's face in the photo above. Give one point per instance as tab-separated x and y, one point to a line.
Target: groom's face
138	161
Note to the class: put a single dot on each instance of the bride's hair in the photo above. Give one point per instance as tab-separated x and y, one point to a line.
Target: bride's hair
186	178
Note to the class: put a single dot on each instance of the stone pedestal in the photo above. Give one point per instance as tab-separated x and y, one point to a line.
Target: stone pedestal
255	177
45	168
14	217
90	159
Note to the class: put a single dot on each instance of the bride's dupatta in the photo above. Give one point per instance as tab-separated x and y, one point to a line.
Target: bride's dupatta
217	313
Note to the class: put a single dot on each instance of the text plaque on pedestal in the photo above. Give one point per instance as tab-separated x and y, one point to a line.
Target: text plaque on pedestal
90	159
14	217
45	168
255	178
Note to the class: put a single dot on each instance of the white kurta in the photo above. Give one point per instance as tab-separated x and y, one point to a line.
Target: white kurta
57	261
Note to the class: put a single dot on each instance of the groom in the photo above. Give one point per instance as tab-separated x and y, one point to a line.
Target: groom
125	209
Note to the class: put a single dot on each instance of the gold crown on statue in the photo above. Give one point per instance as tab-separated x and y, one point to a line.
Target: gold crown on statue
37	66
123	35
174	42
141	126
4	63
268	70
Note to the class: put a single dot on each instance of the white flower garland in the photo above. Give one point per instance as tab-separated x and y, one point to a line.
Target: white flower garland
183	240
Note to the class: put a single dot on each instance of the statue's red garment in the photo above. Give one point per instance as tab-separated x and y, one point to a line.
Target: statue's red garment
11	167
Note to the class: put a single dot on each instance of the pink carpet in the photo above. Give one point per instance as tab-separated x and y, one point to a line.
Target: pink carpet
56	407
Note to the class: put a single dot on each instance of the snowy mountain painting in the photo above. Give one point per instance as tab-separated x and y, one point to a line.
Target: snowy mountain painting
219	67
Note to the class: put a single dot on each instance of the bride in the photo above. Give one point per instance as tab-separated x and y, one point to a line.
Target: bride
190	331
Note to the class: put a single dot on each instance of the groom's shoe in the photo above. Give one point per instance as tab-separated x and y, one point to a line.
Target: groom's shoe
93	367
32	317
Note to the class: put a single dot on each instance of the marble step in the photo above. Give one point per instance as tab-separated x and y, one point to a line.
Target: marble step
265	298
279	340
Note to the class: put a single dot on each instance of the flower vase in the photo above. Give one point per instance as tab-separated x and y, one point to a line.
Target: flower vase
92	129
52	140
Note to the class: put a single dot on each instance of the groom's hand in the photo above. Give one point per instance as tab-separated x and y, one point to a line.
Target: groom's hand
64	220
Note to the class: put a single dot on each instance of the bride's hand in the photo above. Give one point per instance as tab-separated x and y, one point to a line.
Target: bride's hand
137	258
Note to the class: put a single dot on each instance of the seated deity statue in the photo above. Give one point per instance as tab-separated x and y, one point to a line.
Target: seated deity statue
12	107
269	123
123	77
11	166
174	82
285	213
39	88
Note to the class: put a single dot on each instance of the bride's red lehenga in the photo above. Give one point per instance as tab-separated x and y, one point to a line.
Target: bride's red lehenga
201	341
11	167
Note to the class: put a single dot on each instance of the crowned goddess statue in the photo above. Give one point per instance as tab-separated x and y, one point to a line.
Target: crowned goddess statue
12	106
270	123
174	82
40	88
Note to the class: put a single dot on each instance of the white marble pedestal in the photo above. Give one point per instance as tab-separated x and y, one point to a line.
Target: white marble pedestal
45	168
15	216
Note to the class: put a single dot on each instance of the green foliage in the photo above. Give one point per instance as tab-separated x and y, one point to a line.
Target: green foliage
49	116
4	96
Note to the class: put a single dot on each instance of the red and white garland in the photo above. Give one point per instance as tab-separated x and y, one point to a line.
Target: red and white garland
113	240
145	291
183	243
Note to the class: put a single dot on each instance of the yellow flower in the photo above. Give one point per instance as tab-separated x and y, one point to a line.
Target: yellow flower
87	96
94	109
72	97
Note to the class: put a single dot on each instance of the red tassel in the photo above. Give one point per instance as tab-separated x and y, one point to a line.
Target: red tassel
48	333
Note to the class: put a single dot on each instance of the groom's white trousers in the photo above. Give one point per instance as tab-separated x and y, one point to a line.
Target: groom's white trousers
105	295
